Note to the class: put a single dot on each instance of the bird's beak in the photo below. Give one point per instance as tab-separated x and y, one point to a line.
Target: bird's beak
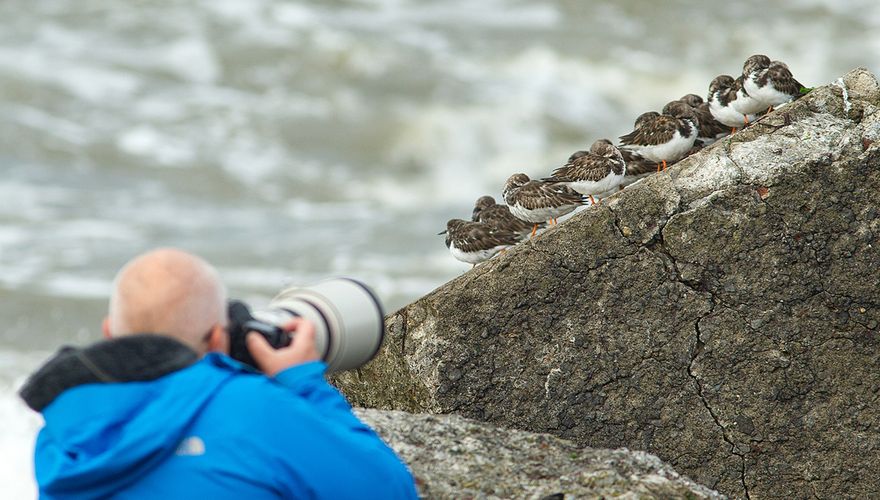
441	233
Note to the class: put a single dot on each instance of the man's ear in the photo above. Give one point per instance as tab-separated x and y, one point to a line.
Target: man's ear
105	327
218	340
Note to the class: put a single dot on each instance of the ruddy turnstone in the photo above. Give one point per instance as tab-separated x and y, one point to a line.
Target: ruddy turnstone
496	215
722	93
475	242
538	201
597	172
710	129
665	138
769	82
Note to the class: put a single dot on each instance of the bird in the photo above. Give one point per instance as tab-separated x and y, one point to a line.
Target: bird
710	129
597	172
769	82
664	139
475	242
538	201
722	91
496	215
745	103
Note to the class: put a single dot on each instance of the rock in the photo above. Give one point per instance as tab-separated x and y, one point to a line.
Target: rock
453	457
698	315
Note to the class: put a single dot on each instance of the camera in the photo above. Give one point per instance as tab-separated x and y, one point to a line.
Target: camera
348	317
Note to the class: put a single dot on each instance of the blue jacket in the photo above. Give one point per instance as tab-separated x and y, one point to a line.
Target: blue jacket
213	430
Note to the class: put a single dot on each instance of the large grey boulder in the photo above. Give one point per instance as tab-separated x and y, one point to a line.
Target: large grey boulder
722	315
452	457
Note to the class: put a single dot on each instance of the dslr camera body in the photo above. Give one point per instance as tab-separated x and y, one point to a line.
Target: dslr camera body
348	317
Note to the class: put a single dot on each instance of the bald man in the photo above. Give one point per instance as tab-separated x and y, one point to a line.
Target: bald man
158	409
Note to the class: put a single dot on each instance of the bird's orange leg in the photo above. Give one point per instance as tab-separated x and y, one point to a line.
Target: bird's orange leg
661	165
733	130
592	200
534	230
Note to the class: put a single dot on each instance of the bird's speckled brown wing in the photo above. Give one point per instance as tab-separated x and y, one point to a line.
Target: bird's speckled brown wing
499	216
587	167
658	131
783	80
475	236
539	194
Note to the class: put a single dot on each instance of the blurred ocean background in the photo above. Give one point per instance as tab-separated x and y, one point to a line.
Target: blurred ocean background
289	141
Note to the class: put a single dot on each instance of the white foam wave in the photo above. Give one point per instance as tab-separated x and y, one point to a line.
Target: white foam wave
79	78
47	123
379	14
165	149
26	201
77	286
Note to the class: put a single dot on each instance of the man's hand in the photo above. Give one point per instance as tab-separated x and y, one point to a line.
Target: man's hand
301	349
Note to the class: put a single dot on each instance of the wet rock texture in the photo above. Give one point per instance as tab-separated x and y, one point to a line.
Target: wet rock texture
453	457
722	315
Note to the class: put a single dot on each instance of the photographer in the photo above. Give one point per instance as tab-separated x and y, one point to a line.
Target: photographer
160	411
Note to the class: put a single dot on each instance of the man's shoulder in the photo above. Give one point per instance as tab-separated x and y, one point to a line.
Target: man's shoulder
246	390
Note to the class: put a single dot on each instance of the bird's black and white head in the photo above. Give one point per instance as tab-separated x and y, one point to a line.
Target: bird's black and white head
604	147
755	64
452	226
644	118
692	100
679	109
721	83
667	110
513	183
482	203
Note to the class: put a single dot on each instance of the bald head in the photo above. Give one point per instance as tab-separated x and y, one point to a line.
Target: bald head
168	292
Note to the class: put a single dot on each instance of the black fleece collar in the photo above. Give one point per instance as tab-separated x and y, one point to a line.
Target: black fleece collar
132	358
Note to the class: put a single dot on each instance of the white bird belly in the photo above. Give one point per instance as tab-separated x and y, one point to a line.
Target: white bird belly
475	257
539	215
751	87
593	188
748	104
673	150
772	97
727	115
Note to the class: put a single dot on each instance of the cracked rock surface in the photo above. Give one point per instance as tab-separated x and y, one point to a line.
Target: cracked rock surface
453	457
722	315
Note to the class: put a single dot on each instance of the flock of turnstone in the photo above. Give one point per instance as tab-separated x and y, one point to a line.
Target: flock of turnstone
658	140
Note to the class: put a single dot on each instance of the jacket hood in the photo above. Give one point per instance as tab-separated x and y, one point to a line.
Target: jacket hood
116	409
